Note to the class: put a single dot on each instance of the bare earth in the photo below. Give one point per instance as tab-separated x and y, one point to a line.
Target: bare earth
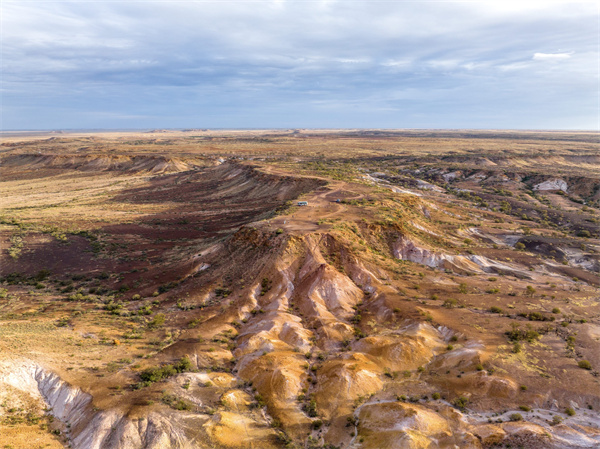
164	290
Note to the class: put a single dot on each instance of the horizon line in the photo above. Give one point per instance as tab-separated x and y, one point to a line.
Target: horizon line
190	129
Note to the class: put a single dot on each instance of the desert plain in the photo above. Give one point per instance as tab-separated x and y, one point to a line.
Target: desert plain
165	289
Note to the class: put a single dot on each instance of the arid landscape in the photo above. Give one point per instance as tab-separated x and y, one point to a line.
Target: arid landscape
165	290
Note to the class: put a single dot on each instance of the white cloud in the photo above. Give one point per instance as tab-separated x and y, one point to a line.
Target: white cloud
396	63
551	56
352	61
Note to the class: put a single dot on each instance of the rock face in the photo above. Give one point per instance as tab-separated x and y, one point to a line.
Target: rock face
91	429
227	429
448	177
490	434
398	426
88	428
407	249
551	184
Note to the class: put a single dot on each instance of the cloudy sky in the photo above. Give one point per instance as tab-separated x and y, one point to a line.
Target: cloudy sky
284	63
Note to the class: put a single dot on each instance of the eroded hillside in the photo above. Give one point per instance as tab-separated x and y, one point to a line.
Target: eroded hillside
438	291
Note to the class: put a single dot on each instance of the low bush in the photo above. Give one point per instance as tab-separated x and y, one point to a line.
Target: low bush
450	303
151	375
461	402
584	364
157	321
517	334
177	404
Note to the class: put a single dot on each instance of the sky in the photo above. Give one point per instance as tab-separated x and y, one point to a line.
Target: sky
299	64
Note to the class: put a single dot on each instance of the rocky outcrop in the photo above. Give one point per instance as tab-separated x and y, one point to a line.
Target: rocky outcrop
103	162
406	249
551	184
88	428
397	425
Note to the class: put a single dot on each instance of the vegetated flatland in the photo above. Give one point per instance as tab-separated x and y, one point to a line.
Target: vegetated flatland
164	289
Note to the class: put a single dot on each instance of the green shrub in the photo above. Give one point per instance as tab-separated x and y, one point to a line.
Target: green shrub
177	404
311	408
517	334
461	402
516	417
157	321
184	364
556	420
388	373
450	303
166	287
496	309
152	375
158	374
536	316
569	411
265	286
42	275
222	292
112	307
585	364
146	310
